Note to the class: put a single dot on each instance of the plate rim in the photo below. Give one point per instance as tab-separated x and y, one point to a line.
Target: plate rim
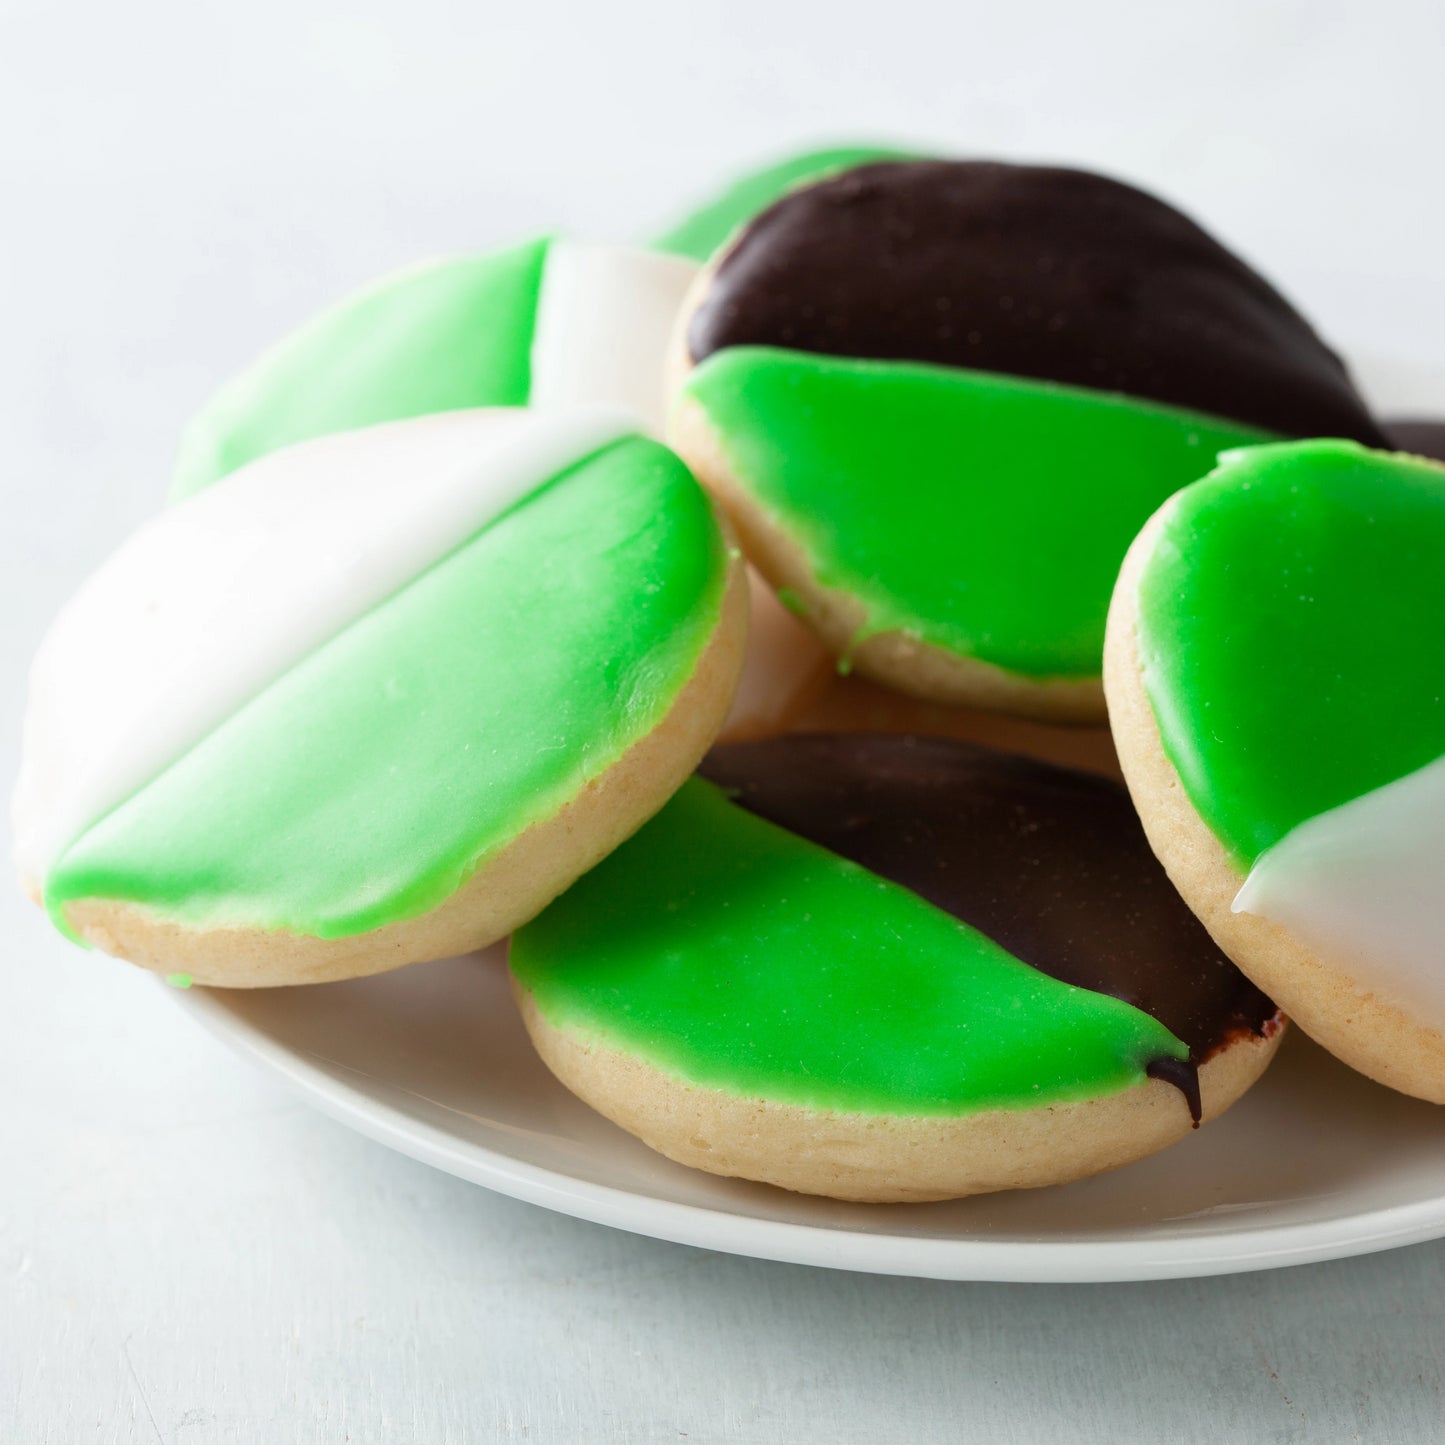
1042	1261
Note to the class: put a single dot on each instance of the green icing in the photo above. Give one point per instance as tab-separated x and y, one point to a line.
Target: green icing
366	784
1291	625
705	229
738	956
985	514
437	337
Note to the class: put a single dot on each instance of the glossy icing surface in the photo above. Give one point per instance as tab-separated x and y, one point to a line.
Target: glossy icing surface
1032	271
1362	882
1050	863
982	513
701	232
547	323
741	957
441	336
604	320
1291	630
368	781
212	601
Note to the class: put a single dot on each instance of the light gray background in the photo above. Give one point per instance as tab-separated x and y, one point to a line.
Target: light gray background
188	1256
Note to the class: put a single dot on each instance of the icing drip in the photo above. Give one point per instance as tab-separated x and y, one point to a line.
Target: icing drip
1031	271
1183	1074
213	600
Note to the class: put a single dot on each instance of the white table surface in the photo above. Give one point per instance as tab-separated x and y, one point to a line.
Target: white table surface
189	1256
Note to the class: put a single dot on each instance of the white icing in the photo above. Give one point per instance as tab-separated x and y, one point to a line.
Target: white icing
604	319
1365	884
204	606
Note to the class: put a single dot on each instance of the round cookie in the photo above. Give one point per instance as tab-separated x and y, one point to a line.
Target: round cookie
546	323
886	968
940	398
377	697
1276	679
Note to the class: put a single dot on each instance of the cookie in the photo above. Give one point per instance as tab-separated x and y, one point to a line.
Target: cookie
547	323
377	697
885	968
704	229
1276	680
939	400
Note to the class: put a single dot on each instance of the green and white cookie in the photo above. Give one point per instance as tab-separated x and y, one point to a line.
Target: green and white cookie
550	323
376	697
1275	671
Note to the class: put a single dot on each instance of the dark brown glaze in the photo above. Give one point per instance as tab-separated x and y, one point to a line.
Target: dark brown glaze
1418	437
1033	271
1051	864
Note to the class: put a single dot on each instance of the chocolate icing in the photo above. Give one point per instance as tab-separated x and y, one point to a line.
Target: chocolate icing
1419	437
1050	863
1032	271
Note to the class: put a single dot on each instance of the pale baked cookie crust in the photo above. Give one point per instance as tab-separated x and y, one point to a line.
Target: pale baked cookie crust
879	1158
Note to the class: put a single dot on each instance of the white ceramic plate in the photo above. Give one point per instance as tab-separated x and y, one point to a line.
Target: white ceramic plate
433	1060
1316	1162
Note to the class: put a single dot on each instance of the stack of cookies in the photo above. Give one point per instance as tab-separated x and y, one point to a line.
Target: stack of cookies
733	624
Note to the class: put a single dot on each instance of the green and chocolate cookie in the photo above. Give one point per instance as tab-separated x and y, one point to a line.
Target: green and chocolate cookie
939	399
890	968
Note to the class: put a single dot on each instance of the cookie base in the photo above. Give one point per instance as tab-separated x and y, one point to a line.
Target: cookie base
880	1158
